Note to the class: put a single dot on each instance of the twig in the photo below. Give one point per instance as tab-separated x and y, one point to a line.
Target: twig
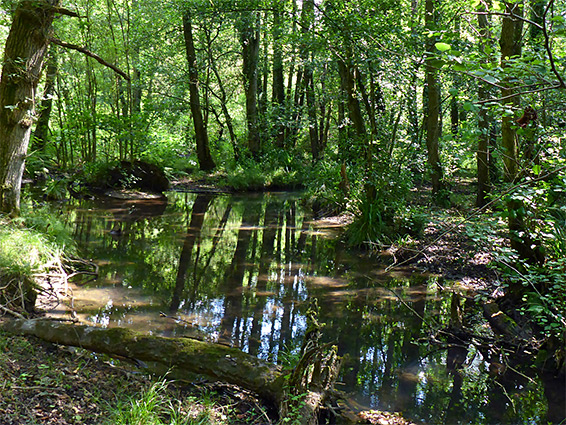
507	395
12	312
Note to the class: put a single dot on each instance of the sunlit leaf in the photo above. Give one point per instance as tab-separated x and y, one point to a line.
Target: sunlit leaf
443	47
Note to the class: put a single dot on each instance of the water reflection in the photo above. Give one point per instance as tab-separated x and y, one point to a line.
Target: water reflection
240	270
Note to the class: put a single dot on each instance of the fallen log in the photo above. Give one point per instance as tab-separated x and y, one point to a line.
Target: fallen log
504	325
302	402
214	361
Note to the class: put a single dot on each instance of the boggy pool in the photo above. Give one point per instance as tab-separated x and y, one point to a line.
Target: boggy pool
241	270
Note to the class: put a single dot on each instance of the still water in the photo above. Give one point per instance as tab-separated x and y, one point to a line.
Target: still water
241	270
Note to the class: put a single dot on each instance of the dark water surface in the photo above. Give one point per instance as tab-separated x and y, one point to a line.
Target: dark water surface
242	269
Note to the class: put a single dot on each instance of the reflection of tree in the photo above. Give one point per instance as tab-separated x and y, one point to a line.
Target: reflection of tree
232	287
200	207
455	358
215	244
267	246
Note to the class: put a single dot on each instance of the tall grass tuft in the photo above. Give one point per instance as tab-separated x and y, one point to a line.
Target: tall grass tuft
158	406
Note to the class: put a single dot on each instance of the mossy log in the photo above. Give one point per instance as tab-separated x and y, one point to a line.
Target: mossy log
182	355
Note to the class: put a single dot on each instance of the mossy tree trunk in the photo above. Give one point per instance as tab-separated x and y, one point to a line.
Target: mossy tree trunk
182	355
24	54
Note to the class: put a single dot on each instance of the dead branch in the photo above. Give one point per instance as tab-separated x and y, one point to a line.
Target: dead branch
92	55
12	312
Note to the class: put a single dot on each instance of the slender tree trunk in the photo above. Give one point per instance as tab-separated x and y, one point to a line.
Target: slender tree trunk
206	162
520	236
25	50
307	26
432	104
510	42
278	94
223	97
483	152
249	39
354	109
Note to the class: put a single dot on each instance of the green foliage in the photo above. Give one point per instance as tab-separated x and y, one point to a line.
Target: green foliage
55	189
275	170
247	175
389	215
542	286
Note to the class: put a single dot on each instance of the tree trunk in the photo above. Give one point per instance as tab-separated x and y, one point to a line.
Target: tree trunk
433	104
307	24
182	355
311	381
354	109
520	235
510	42
278	94
483	152
249	39
25	51
205	160
40	135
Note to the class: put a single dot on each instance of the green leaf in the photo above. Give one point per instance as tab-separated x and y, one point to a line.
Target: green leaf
468	106
459	67
443	47
437	63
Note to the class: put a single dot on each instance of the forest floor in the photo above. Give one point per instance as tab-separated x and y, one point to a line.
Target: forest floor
457	243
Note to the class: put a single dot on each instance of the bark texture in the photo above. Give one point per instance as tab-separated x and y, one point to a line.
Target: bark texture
24	54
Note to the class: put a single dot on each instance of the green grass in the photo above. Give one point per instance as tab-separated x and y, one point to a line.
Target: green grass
24	251
30	245
158	405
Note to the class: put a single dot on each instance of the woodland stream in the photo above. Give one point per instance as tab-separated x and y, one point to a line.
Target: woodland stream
241	269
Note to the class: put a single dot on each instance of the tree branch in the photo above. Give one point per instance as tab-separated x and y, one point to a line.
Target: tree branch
500	99
508	15
92	55
547	46
66	12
